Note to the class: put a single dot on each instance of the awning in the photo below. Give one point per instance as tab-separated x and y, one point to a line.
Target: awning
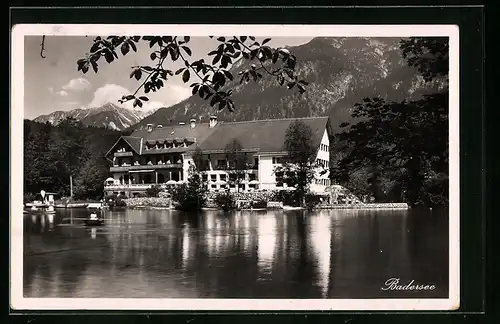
137	171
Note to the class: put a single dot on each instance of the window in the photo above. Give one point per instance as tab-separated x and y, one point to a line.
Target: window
222	177
204	177
252	176
256	163
213	186
278	160
221	164
213	177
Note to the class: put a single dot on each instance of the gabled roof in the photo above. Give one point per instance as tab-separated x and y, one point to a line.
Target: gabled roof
133	142
265	136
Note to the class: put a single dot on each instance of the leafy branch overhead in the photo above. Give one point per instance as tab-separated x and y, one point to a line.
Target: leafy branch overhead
211	78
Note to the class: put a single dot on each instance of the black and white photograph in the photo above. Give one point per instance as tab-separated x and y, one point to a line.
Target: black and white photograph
191	167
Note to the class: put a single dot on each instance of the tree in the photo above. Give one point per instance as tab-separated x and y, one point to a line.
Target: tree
53	153
237	161
407	141
198	160
300	163
191	196
212	78
89	182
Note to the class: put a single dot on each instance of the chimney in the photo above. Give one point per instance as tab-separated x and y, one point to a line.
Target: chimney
193	122
150	128
213	121
159	126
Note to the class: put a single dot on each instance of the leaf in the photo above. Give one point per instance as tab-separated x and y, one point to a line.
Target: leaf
212	53
135	103
275	56
125	48
133	46
216	59
243	38
108	56
290	85
179	71
228	75
167	39
147	68
221	39
94	66
153	56
222	104
195	89
186	39
252	37
214	100
187	50
138	74
174	53
185	76
303	82
95	47
129	97
143	98
266	41
85	68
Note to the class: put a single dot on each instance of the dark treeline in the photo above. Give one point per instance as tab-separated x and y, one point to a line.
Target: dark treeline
54	153
398	151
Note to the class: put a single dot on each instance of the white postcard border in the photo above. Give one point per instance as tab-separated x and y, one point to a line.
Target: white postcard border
18	302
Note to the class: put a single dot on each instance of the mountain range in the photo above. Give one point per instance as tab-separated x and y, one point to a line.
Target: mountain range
341	71
108	115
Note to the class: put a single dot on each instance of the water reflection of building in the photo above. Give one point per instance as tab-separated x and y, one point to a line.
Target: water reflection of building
320	233
266	243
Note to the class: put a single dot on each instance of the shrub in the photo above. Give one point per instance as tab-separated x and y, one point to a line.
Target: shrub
312	200
225	201
153	191
190	196
116	200
259	204
288	197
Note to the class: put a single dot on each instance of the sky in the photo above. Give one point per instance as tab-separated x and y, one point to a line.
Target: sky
53	83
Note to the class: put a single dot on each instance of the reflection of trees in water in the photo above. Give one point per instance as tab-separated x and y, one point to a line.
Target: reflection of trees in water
241	254
54	258
428	245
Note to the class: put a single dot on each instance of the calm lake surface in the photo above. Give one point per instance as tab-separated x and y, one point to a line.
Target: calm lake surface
247	254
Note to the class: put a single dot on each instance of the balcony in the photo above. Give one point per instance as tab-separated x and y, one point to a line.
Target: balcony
136	186
121	154
145	166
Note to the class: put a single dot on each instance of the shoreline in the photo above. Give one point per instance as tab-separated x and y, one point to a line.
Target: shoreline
391	206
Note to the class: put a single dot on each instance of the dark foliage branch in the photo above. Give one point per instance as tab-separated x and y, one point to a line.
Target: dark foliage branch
404	142
212	77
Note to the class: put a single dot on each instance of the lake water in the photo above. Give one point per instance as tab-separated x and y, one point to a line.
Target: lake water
247	254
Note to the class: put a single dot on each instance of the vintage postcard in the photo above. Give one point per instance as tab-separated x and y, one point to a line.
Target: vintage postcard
235	167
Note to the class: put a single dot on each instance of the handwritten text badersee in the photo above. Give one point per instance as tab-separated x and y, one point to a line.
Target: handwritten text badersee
394	284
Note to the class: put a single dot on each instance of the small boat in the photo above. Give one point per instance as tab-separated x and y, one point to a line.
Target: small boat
41	207
94	220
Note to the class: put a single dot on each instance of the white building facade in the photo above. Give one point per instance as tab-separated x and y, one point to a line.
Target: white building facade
164	155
